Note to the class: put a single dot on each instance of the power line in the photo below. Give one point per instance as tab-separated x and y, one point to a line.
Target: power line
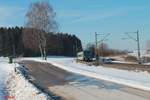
96	44
137	40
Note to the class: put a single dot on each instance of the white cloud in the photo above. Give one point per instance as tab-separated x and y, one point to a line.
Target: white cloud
94	16
97	16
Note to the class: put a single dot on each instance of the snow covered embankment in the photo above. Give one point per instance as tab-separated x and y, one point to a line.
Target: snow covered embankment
19	88
5	70
22	89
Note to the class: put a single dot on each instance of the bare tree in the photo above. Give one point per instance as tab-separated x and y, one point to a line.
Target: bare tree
103	47
91	47
148	46
30	39
40	18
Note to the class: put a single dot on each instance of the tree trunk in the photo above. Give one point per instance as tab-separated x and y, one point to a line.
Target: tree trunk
45	56
41	51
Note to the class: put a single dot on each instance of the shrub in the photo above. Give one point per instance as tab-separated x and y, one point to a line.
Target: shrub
130	58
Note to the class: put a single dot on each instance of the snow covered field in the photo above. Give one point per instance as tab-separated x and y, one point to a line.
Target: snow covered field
143	53
140	80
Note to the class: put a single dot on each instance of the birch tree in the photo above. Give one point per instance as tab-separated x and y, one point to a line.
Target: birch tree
40	18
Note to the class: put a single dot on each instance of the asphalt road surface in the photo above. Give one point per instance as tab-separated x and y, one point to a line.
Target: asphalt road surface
70	86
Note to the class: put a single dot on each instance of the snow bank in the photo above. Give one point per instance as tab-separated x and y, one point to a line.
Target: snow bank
14	86
5	70
140	80
123	62
21	89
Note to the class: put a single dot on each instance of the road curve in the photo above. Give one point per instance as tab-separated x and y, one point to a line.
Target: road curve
71	86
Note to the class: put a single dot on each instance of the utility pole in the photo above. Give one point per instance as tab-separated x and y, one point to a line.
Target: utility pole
13	49
137	40
96	52
138	45
96	45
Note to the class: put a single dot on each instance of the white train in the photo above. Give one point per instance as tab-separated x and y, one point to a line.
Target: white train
85	56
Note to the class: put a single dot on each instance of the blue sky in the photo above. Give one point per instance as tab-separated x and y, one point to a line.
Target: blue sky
84	17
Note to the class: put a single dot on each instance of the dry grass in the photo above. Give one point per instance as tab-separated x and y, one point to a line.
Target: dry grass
130	58
146	59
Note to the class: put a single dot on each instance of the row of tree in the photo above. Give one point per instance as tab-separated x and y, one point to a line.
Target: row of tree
19	41
104	50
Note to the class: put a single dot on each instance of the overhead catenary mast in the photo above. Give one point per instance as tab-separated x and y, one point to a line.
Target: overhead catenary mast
137	40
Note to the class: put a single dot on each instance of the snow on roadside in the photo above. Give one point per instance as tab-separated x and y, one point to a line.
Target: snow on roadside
21	89
140	80
5	70
123	62
14	86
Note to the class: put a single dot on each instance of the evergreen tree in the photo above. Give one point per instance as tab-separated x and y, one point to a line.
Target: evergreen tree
11	43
